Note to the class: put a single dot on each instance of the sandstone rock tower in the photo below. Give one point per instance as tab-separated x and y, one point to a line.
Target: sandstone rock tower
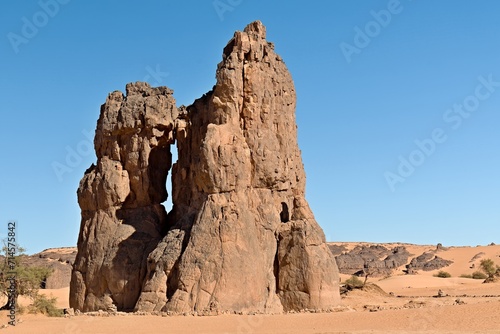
240	236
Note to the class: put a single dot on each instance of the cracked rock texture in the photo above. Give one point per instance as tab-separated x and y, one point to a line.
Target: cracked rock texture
374	259
241	236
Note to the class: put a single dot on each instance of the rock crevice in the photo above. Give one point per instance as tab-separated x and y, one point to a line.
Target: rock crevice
240	236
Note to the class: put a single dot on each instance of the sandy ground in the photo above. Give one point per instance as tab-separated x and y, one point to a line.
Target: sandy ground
468	307
473	318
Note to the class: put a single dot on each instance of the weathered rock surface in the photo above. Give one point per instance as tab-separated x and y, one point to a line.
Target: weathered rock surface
375	259
427	262
337	249
121	196
240	236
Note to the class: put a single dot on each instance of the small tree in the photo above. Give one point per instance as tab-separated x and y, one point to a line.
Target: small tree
369	271
488	266
353	283
45	305
26	279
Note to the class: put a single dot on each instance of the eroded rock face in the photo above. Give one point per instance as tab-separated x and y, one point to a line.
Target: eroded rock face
427	262
58	260
122	218
375	259
240	236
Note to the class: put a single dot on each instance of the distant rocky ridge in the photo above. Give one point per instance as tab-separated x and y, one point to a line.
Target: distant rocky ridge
241	236
377	260
427	261
58	260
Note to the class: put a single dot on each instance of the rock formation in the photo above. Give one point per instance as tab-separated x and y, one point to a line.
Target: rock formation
241	236
375	259
381	261
428	261
59	261
120	198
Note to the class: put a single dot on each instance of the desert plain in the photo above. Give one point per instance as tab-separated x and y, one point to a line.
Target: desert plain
403	304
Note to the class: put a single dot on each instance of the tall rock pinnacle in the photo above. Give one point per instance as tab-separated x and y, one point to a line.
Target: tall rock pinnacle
240	236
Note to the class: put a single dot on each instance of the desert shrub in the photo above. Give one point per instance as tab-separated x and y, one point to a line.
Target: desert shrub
442	274
488	266
45	305
353	283
27	279
479	275
466	276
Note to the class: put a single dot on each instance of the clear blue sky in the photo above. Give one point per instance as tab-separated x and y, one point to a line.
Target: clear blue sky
367	90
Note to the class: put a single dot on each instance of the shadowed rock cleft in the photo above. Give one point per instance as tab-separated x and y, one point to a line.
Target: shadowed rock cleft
240	236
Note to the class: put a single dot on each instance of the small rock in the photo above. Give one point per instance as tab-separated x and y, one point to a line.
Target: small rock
70	311
112	309
372	308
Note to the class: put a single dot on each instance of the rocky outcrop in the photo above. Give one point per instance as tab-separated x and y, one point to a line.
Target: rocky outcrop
337	249
241	236
375	259
427	262
59	261
398	257
120	198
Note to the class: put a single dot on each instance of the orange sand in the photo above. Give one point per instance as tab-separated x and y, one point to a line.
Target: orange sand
470	307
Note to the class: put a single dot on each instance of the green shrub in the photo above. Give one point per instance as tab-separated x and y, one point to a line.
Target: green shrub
353	283
466	276
442	274
488	266
45	305
479	275
28	279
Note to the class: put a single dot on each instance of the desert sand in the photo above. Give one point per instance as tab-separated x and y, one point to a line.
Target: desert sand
407	304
